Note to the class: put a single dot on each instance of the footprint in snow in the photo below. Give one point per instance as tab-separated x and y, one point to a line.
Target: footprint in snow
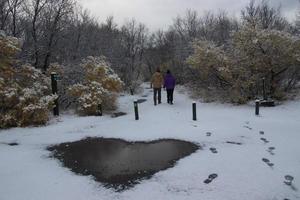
213	150
248	127
210	178
288	179
267	161
13	144
208	134
270	150
236	143
289	182
264	140
10	144
261	132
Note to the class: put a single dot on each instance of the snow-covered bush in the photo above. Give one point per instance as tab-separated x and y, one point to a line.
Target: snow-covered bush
9	46
99	87
218	78
24	90
269	54
212	61
235	73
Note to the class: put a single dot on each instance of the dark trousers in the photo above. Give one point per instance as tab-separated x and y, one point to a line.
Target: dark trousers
170	95
157	92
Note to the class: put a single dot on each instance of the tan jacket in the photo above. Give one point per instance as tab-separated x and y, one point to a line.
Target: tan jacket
157	80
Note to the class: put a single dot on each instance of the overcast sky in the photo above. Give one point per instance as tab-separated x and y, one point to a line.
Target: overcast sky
159	14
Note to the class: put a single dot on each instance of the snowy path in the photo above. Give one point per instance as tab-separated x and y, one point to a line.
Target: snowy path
26	172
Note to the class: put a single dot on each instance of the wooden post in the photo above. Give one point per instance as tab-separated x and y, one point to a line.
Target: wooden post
136	109
257	102
99	110
54	78
194	111
131	91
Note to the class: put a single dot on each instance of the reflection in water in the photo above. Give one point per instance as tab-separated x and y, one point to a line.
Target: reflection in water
119	164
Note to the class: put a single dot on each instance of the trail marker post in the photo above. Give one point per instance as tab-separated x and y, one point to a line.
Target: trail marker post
257	102
194	111
54	78
99	110
136	109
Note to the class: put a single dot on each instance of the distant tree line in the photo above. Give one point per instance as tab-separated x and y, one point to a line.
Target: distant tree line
213	53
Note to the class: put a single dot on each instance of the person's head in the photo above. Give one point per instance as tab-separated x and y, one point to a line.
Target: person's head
158	70
168	71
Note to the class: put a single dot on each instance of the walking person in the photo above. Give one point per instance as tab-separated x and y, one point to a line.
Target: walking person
169	84
157	82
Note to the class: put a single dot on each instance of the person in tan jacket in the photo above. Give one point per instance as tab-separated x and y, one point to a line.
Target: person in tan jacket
157	82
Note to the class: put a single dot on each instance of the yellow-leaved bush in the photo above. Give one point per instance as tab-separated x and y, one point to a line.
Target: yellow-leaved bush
100	87
235	72
25	96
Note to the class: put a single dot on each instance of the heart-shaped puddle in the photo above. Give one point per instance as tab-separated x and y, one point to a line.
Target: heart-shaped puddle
120	164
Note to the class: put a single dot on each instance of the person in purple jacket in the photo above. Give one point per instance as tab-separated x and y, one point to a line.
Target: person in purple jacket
169	84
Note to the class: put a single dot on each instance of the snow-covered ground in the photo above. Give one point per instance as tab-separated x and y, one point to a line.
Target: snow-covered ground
26	171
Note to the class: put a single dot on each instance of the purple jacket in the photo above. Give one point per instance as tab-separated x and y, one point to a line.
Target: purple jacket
169	81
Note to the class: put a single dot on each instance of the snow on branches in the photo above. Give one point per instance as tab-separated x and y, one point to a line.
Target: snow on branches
9	46
24	91
99	87
211	61
237	71
269	54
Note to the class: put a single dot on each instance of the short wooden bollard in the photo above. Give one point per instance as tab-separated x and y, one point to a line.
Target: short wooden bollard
194	111
257	102
99	110
54	78
136	109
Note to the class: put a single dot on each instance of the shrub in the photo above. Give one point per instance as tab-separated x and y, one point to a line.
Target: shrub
100	86
253	54
24	91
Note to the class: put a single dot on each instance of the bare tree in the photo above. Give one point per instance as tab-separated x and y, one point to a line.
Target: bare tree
54	16
4	13
134	37
297	21
264	16
15	6
250	13
33	9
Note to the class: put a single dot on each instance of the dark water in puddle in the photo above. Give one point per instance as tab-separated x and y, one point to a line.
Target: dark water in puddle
120	164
